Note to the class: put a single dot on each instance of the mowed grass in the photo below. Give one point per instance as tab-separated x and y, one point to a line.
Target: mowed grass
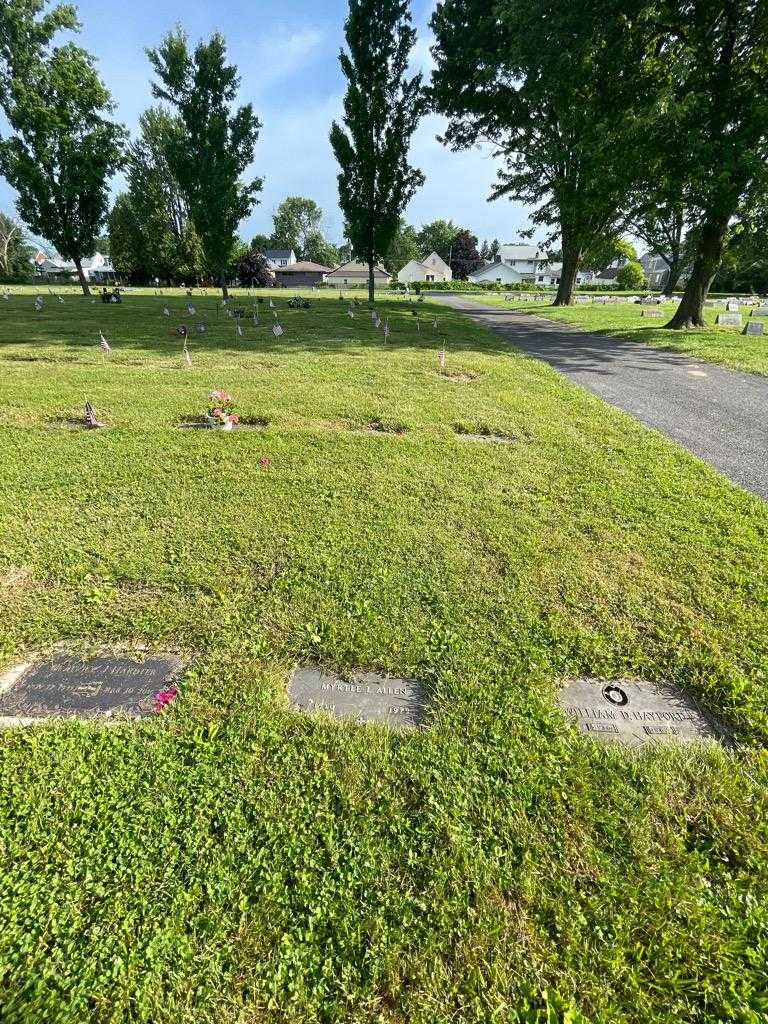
713	343
233	861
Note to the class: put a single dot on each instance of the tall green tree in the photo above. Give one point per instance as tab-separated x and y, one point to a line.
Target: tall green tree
216	144
382	107
464	255
150	229
12	242
438	236
63	150
555	86
712	73
317	249
296	220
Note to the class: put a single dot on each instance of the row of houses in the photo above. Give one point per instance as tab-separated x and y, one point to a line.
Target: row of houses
515	264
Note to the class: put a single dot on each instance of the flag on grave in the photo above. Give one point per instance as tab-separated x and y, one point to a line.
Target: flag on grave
277	330
351	313
104	344
271	304
190	309
60	299
386	328
441	359
166	311
239	329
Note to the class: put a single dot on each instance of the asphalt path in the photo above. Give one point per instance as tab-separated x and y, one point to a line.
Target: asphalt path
721	415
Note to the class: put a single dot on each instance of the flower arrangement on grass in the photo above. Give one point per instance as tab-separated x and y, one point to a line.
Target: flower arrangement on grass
220	415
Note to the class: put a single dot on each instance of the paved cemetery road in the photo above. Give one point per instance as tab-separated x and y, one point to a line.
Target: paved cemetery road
718	414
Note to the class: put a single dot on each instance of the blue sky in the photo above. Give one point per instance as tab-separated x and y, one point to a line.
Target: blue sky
287	57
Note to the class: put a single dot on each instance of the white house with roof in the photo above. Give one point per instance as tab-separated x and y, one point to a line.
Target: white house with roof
97	268
496	273
278	259
431	269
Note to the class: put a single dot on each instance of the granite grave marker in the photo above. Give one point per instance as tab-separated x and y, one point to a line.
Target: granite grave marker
732	319
64	685
754	327
363	696
636	711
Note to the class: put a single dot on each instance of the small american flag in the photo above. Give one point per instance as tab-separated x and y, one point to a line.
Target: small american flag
377	322
60	299
239	329
271	304
441	359
351	313
38	303
434	323
166	311
277	330
386	328
104	344
191	309
90	416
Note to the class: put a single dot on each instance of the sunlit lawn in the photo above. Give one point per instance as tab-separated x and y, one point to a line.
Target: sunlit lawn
716	344
232	861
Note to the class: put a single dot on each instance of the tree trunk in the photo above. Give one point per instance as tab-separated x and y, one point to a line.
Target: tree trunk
224	289
690	312
673	278
81	276
568	274
371	283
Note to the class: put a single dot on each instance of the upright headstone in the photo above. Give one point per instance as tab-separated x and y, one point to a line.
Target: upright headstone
728	319
651	312
754	327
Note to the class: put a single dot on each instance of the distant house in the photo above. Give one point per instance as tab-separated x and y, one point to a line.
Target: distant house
301	274
496	273
657	271
430	269
97	269
279	258
549	274
353	273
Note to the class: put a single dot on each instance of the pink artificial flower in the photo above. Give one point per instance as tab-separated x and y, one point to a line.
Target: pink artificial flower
234	418
264	462
216	412
164	697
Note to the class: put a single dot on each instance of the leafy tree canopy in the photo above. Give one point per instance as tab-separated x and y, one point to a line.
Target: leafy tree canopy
381	110
64	149
216	143
295	220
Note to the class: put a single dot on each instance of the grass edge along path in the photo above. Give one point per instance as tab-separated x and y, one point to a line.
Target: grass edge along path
724	344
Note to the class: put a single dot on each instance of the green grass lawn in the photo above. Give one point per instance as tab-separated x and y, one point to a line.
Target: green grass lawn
713	344
232	861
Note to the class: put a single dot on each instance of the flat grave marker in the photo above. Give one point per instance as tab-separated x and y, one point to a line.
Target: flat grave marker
760	311
65	685
754	327
364	696
731	319
636	711
651	312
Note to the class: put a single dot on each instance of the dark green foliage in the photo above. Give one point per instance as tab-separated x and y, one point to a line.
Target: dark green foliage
295	221
438	236
712	73
253	269
381	110
151	233
215	145
403	248
464	257
662	226
15	252
63	149
548	82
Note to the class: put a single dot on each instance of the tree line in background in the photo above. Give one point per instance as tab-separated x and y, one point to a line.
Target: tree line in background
647	117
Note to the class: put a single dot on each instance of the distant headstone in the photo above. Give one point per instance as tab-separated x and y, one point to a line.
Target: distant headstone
364	696
635	711
64	685
583	299
760	311
731	319
754	327
651	312
732	307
